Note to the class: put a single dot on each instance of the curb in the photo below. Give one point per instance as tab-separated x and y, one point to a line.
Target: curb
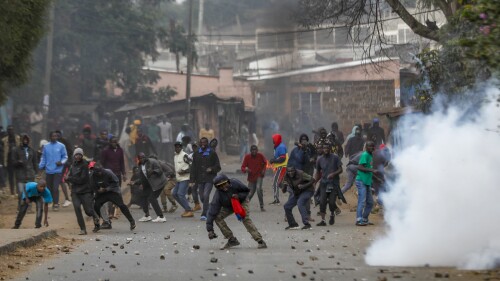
28	242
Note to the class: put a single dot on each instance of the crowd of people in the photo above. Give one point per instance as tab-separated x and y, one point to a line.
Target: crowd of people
179	170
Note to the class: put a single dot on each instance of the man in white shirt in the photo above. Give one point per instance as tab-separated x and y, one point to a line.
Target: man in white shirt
182	176
166	139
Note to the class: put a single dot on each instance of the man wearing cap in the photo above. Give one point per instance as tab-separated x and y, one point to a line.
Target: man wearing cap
221	207
81	193
104	184
182	177
376	131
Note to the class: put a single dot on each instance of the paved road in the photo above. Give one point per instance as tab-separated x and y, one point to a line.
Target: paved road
323	253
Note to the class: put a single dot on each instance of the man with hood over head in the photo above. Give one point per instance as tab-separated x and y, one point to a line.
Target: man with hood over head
25	162
279	162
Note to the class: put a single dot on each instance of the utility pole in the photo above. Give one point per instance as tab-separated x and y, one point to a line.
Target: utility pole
189	62
48	72
200	17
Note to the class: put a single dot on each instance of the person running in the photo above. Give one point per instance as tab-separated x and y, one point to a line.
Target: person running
182	177
328	169
38	193
205	167
255	164
301	188
279	163
364	181
153	182
104	184
81	193
221	207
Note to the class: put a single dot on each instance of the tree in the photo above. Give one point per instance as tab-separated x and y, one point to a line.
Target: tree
101	42
22	25
177	43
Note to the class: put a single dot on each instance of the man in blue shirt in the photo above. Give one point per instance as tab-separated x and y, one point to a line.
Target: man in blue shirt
40	195
54	156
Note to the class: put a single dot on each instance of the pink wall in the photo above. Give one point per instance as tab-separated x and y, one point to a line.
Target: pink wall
224	86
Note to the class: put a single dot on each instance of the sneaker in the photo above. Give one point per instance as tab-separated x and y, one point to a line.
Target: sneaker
172	209
232	242
132	225
145	219
106	225
322	223
306	226
159	219
15	227
55	207
338	211
66	203
187	214
332	220
292	227
83	232
203	218
275	202
197	207
261	245
262	209
361	223
96	228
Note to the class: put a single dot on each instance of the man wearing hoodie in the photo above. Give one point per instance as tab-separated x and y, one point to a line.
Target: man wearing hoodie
376	131
279	162
25	162
81	193
205	167
153	181
104	184
53	158
10	142
355	143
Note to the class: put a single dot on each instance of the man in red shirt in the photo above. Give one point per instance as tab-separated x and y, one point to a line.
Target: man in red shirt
255	165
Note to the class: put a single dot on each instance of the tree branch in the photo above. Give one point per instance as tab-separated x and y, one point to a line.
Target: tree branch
413	23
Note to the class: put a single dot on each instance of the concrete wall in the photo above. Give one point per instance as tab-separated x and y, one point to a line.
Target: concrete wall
224	86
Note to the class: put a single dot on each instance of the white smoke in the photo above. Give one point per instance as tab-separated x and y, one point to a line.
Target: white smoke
443	208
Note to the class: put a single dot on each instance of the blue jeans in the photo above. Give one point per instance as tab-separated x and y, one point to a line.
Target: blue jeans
256	186
301	202
204	190
365	201
179	192
244	149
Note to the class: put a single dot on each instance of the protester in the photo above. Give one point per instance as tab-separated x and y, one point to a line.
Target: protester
104	184
254	164
153	182
53	158
112	158
69	152
87	142
166	139
136	194
221	207
354	144
328	169
301	188
38	193
101	143
10	142
377	131
279	164
81	193
205	167
143	144
337	139
244	138
169	171
352	171
364	181
24	160
182	177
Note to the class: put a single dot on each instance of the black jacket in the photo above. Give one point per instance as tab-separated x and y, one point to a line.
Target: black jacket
155	175
222	199
78	177
201	162
107	179
25	167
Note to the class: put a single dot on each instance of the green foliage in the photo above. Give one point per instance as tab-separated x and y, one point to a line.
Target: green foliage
483	40
97	42
22	25
178	43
